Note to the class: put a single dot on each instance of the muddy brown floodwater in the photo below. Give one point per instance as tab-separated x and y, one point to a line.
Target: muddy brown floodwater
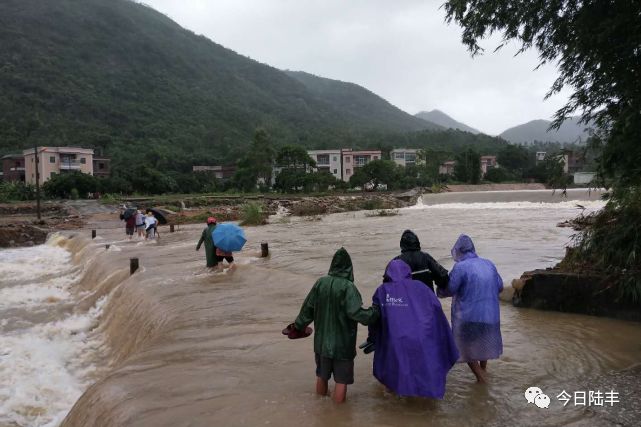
184	347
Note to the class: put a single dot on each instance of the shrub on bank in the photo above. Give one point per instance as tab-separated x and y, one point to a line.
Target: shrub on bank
16	191
252	214
610	244
372	204
70	185
308	209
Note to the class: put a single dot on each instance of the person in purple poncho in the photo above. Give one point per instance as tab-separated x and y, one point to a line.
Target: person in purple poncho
474	286
414	347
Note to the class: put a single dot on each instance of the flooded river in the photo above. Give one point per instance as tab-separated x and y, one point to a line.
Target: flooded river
175	345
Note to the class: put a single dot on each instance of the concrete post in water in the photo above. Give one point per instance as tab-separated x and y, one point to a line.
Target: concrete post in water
171	228
264	250
93	234
133	265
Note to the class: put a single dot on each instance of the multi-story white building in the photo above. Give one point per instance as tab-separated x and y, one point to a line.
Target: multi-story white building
404	156
57	160
328	161
354	159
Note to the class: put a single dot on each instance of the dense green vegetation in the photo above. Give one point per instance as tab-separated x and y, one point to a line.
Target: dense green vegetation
124	78
468	167
252	214
121	78
357	104
596	46
127	81
16	191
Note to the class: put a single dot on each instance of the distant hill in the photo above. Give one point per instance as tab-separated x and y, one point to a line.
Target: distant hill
120	76
356	103
445	121
537	130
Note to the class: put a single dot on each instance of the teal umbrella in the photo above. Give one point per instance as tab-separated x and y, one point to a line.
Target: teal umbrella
229	237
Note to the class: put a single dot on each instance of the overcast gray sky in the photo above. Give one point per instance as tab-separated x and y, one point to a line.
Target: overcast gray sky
401	50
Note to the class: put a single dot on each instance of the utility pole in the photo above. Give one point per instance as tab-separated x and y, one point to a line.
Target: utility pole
35	150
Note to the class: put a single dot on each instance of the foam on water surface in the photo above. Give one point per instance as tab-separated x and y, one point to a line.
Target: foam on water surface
32	264
44	365
43	370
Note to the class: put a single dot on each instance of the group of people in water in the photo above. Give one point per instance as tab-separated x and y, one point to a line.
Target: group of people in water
414	346
145	225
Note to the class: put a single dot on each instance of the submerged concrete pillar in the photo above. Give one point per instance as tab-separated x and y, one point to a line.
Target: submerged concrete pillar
133	265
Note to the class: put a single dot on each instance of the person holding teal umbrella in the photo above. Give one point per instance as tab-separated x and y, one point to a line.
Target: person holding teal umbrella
208	239
228	238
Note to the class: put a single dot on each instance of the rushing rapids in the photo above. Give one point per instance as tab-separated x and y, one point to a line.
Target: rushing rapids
176	345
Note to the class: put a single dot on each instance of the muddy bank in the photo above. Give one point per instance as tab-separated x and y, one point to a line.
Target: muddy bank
197	209
14	235
19	224
557	290
29	209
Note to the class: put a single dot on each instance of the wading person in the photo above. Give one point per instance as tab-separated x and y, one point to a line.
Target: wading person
208	240
424	267
140	223
413	342
130	225
225	256
474	286
335	306
151	226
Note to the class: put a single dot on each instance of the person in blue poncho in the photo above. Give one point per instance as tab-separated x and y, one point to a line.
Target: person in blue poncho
474	286
413	343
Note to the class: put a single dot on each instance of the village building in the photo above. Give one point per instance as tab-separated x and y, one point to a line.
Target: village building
488	162
327	161
13	167
404	156
354	159
223	173
57	160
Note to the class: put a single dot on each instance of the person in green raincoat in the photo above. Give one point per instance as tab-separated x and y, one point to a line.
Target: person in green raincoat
208	240
335	306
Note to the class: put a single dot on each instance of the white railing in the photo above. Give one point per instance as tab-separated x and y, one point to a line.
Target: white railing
70	164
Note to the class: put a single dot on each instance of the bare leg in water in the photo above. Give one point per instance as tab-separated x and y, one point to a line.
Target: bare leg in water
340	390
321	386
479	373
340	393
484	365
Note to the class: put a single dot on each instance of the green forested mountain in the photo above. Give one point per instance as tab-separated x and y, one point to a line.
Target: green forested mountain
359	104
119	75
